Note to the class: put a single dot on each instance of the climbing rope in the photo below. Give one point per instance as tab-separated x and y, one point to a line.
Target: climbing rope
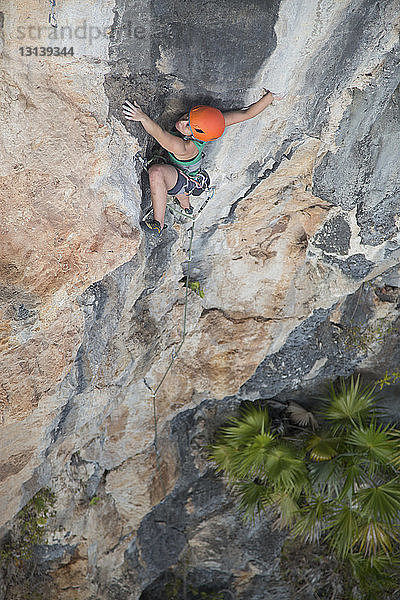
145	164
52	14
175	352
173	358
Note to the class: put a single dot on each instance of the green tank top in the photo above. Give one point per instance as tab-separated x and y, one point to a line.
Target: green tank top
193	165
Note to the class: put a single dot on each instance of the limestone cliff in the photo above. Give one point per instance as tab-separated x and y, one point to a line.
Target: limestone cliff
297	253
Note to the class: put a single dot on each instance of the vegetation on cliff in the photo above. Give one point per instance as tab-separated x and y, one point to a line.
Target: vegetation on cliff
336	483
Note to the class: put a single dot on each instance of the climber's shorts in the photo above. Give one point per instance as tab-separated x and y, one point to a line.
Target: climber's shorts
194	185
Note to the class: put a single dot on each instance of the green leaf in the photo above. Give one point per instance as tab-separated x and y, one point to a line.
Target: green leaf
354	476
332	487
375	537
376	574
349	405
395	435
311	520
381	502
376	443
286	509
196	287
226	458
244	428
254	456
285	471
344	528
242	446
322	447
253	498
326	476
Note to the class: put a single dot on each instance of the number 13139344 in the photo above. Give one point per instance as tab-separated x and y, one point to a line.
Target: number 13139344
45	51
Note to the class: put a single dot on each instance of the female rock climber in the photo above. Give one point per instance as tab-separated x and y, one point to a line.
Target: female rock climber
184	176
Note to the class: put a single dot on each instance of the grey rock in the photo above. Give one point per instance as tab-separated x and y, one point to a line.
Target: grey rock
185	539
391	277
338	57
355	266
364	172
334	237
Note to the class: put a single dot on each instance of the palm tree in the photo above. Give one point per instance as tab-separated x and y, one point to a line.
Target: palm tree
261	469
338	482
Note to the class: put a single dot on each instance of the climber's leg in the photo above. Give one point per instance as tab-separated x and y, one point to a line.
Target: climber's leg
162	178
183	200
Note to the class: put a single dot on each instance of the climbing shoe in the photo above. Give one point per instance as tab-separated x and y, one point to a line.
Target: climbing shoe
154	226
188	211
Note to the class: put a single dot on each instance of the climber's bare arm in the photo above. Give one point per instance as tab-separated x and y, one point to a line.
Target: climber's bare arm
168	141
237	116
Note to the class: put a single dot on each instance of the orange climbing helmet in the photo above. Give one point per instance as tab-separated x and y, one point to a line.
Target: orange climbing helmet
206	123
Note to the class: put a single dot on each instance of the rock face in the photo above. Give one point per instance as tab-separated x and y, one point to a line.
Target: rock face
297	254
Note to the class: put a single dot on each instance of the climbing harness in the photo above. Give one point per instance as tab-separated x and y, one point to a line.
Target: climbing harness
173	208
52	14
194	184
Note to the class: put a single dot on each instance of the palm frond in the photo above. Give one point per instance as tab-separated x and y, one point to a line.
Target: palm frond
285	471
350	404
354	476
241	430
375	572
376	443
311	521
374	538
225	458
380	562
301	416
381	502
286	509
395	435
322	447
326	476
241	445
251	459
253	497
344	528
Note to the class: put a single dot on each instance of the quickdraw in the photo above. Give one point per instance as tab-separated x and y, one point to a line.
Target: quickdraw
52	14
146	163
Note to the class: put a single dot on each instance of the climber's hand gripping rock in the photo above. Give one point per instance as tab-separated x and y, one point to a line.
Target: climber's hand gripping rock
133	112
275	96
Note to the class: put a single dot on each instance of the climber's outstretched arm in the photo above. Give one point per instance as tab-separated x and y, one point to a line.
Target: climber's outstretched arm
237	116
170	142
